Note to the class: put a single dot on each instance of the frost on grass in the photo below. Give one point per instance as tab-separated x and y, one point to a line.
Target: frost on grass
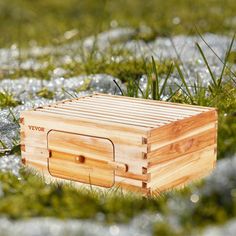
27	90
10	163
139	226
228	229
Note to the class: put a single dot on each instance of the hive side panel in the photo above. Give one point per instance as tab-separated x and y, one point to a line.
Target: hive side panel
181	129
182	151
183	170
34	150
129	146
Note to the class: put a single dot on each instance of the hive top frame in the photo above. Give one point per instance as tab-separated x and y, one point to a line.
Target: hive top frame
121	110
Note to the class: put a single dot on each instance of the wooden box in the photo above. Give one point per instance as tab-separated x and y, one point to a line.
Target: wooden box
141	145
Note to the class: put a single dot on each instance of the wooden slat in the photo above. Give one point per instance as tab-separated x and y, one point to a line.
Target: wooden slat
142	177
181	182
131	182
182	147
91	118
179	128
108	116
159	144
127	104
192	107
145	111
141	116
133	110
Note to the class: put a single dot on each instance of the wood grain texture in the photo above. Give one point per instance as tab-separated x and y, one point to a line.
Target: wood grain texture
72	124
88	146
81	158
149	101
185	127
73	171
136	144
181	147
183	170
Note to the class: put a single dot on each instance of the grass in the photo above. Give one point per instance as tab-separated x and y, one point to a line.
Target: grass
45	93
47	21
65	201
7	99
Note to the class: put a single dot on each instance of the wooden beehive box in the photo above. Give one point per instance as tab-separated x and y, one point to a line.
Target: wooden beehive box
141	145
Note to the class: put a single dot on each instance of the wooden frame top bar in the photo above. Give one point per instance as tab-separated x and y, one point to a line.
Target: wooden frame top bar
123	110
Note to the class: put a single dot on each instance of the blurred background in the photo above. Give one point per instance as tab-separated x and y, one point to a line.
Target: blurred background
46	21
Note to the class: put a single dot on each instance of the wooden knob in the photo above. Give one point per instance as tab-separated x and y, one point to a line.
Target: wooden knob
118	166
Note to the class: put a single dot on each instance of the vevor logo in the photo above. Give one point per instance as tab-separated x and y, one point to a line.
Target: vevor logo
36	128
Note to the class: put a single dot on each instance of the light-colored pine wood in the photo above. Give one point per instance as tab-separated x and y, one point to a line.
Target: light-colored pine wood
126	104
178	148
120	110
170	104
89	146
183	170
105	140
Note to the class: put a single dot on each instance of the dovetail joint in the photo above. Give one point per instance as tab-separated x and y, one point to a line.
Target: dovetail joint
144	185
144	170
22	147
22	120
144	140
144	155
23	160
22	134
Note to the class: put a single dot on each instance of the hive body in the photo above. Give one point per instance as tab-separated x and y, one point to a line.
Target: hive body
103	140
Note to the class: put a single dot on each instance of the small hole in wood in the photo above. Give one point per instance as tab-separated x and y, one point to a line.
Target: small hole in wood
80	159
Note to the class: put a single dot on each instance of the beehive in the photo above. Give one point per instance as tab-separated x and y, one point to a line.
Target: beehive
141	145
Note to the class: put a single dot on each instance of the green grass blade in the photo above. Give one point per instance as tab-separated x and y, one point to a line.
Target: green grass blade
207	64
139	89
3	144
167	77
118	86
148	76
234	74
155	82
226	60
172	94
13	116
188	93
70	94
